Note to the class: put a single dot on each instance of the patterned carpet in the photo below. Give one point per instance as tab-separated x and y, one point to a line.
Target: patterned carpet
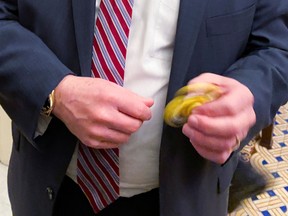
273	163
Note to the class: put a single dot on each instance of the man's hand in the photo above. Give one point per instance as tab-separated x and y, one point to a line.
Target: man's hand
213	128
100	113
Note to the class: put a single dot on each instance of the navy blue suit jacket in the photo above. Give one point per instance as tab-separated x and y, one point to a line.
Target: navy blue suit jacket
41	41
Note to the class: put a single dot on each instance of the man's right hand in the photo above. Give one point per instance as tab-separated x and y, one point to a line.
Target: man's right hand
100	113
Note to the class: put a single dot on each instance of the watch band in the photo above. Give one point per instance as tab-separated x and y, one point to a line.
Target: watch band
49	105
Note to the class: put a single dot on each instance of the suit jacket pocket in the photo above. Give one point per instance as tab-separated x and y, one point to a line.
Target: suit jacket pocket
231	23
225	173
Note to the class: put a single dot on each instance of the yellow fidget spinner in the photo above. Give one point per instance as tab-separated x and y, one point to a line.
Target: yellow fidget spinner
186	99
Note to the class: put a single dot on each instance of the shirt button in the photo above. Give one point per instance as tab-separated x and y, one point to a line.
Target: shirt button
50	193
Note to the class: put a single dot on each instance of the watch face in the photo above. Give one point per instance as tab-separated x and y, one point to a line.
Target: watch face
45	110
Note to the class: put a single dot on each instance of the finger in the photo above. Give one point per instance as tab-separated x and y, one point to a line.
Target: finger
125	100
101	134
125	124
235	96
117	121
209	143
219	158
214	150
136	107
148	102
225	125
230	103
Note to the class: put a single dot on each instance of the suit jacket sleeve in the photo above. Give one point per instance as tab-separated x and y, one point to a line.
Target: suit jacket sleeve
29	70
264	66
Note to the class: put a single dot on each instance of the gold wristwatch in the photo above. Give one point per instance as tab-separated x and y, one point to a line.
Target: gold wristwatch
49	105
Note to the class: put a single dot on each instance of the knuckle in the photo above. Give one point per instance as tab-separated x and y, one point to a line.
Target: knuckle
234	128
91	143
103	116
143	112
243	134
249	96
230	109
120	139
125	139
117	137
86	139
223	158
134	126
253	117
202	123
226	143
86	142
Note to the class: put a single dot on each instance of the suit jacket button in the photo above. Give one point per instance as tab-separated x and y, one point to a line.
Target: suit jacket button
50	193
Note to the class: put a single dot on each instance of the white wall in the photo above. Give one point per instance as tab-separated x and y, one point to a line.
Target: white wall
5	137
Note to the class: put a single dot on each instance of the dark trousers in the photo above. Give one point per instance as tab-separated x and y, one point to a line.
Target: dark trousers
71	201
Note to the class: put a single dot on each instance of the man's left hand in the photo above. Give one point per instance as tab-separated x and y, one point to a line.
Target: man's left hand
215	128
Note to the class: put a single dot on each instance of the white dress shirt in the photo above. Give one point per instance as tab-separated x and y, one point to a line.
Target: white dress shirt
147	71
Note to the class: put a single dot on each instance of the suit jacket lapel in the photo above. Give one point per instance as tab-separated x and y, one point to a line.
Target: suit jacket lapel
189	22
84	17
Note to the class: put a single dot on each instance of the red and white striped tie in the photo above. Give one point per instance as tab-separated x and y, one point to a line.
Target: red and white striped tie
98	169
